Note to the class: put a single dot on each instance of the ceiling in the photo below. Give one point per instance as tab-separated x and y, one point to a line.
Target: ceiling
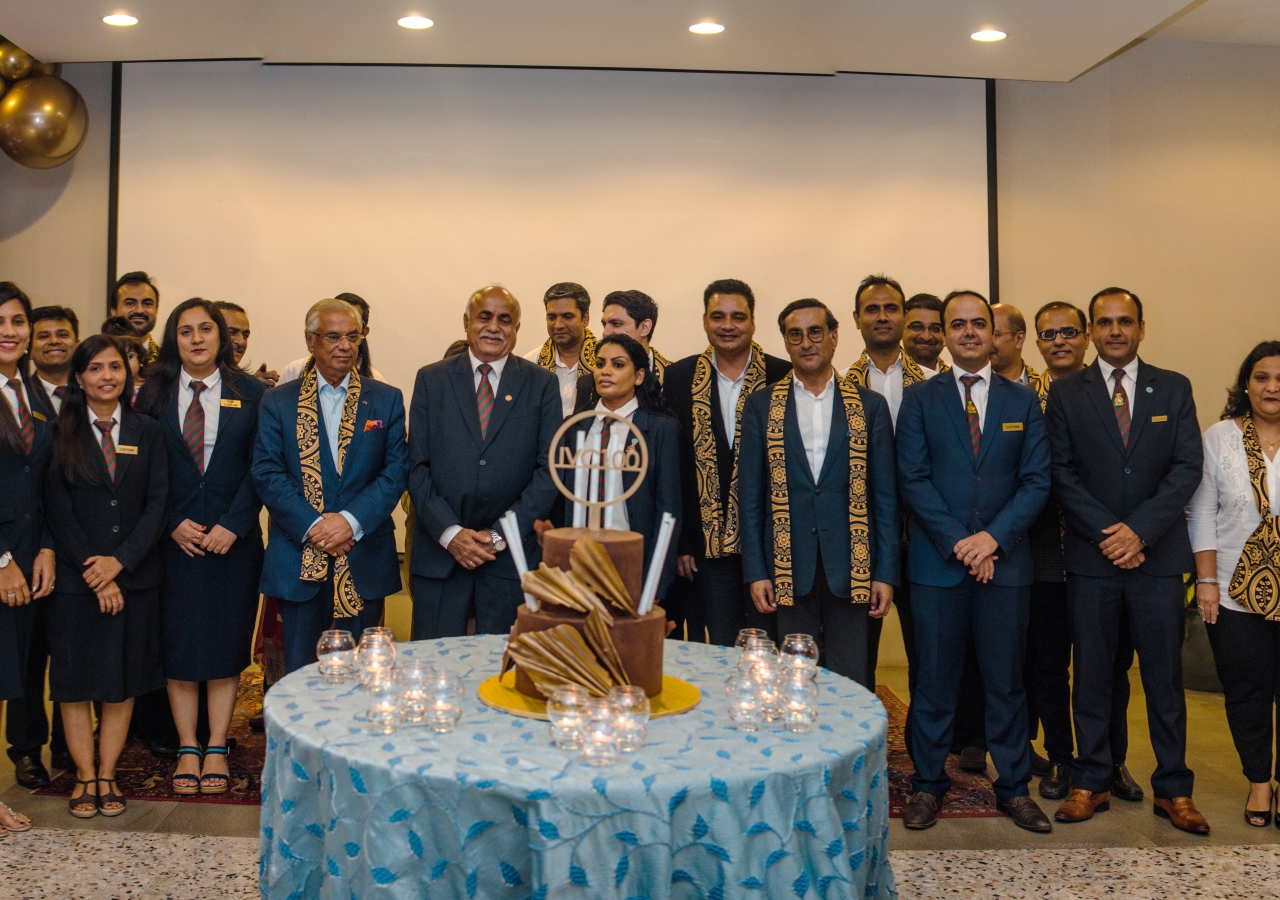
1048	41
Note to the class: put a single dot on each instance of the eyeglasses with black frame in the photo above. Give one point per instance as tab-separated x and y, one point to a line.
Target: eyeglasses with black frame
816	333
1051	334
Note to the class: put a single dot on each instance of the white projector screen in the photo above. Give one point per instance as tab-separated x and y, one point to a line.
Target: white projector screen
276	186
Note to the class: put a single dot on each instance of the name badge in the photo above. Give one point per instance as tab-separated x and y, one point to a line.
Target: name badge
1011	426
229	404
126	450
1159	418
39	415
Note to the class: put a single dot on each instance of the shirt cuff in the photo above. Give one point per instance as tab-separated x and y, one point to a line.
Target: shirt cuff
449	534
357	531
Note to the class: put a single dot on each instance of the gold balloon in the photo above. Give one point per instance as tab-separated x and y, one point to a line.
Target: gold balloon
43	121
15	63
54	69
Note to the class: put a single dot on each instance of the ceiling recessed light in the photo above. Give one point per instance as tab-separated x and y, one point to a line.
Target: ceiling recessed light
120	19
706	28
415	22
988	35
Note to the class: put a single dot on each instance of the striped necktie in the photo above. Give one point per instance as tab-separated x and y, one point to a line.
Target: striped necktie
193	426
971	409
26	424
59	392
484	398
1120	400
108	445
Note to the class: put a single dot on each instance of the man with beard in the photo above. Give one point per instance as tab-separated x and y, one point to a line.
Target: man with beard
922	339
238	330
570	350
136	298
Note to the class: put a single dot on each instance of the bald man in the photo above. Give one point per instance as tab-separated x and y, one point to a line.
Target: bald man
482	423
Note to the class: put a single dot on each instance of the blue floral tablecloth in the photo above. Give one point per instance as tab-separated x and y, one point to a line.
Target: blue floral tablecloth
494	810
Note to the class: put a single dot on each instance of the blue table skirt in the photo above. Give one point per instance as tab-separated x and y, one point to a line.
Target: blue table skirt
493	810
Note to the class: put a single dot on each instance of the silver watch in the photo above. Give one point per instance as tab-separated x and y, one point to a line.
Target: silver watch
499	542
5	560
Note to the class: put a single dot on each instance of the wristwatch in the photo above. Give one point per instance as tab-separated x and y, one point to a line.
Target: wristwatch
499	543
5	560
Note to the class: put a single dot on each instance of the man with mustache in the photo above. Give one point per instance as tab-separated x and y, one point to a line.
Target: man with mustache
570	349
922	337
136	298
238	330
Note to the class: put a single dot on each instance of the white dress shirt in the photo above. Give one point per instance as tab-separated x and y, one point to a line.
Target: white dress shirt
613	516
1129	380
730	390
49	389
495	377
211	401
929	373
978	393
1022	377
115	429
566	375
813	415
13	398
887	384
331	400
293	371
1223	514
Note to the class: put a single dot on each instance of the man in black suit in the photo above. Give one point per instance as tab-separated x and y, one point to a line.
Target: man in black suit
481	427
635	314
707	392
1126	460
819	497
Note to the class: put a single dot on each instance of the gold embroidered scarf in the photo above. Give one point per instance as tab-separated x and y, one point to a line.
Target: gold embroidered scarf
586	356
720	533
860	372
1255	585
347	601
859	523
1039	382
660	364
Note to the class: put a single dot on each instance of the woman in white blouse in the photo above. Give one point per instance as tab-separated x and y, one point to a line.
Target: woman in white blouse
1235	533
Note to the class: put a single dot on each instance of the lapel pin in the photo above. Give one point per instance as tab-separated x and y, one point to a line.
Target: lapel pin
1151	390
507	398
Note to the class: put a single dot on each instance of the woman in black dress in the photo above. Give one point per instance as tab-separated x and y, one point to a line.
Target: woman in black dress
208	411
105	497
26	554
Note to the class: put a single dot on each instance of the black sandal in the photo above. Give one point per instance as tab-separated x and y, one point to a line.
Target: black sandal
1260	818
215	783
190	784
86	805
110	797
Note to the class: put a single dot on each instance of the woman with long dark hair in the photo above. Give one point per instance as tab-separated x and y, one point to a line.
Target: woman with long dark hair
26	559
105	497
1235	533
208	411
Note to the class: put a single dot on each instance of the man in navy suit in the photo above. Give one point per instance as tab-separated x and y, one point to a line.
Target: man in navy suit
482	427
330	486
973	464
1126	460
818	497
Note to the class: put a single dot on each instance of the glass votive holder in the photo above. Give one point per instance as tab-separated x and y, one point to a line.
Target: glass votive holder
747	633
384	708
335	653
632	711
745	709
413	679
767	674
799	695
600	743
566	709
445	694
800	651
376	655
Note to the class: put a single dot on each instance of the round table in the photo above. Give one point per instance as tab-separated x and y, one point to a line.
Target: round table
494	810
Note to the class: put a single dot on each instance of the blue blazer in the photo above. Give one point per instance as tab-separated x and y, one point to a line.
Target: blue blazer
459	479
23	530
952	496
369	488
819	511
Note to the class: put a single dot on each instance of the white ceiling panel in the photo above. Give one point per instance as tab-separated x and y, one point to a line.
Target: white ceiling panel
1229	22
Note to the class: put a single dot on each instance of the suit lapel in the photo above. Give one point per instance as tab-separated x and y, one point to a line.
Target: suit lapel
1144	382
644	422
509	386
946	383
717	420
997	393
1096	388
464	389
225	422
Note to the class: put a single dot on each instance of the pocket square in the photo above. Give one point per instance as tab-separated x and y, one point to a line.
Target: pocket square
372	424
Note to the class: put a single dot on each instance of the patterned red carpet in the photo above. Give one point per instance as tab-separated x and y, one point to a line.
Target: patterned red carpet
970	797
143	777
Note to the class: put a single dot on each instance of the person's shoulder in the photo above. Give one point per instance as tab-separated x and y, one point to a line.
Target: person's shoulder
775	368
1224	431
520	364
532	355
246	385
1146	370
1025	393
1075	381
149	425
379	390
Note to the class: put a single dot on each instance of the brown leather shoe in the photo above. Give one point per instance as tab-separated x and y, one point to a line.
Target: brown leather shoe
1182	813
973	759
921	810
1026	814
1081	805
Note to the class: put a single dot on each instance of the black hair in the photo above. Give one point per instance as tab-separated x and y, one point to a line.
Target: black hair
806	303
923	301
568	290
639	306
1238	394
1061	304
649	394
162	374
1107	292
729	286
74	446
991	317
873	281
365	361
56	314
10	431
228	306
126	280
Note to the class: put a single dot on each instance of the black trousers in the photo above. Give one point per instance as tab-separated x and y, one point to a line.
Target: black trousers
441	606
1154	608
1246	650
682	608
27	727
836	623
724	601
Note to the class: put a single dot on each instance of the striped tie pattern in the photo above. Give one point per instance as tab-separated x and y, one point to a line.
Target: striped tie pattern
59	392
108	445
604	457
1120	400
193	426
484	398
26	424
971	410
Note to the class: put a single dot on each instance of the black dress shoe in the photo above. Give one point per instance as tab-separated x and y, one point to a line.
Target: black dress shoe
161	749
1123	785
1057	784
1039	765
62	761
973	759
1026	814
31	773
257	725
921	810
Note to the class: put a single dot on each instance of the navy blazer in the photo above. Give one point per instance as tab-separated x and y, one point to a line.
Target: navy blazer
1099	481
952	495
819	512
369	488
124	518
23	530
456	478
659	492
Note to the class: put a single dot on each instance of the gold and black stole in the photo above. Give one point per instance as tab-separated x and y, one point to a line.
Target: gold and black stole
586	356
720	532
859	522
347	601
660	364
1255	585
860	372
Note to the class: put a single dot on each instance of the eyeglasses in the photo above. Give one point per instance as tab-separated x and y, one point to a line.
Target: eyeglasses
1050	334
921	328
816	334
333	338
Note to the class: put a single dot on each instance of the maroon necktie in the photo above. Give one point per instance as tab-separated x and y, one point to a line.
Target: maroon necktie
108	445
971	409
604	457
25	423
1120	400
484	398
59	392
193	426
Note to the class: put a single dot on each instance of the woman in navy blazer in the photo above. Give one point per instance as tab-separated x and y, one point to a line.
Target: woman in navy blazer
105	496
625	384
213	556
